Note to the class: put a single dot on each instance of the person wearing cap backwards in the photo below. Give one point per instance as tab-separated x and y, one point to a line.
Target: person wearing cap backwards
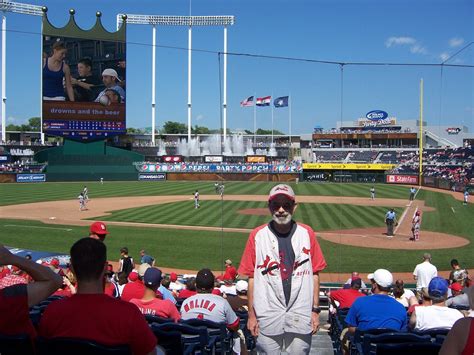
149	304
110	79
282	260
92	315
205	305
98	230
437	315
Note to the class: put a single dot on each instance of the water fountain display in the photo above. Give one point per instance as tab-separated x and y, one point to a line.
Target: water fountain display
234	146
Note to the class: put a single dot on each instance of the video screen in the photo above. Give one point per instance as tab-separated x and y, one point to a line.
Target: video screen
84	88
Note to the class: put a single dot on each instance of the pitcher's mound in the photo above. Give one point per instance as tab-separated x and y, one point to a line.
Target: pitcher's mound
375	238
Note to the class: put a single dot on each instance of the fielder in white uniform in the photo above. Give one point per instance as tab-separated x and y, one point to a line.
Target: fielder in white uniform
282	260
196	199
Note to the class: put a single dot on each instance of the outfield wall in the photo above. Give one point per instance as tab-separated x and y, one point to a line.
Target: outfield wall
230	177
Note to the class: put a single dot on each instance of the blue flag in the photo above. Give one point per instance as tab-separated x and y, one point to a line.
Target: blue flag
281	101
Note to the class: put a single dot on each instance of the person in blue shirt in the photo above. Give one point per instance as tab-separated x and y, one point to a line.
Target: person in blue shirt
146	259
376	311
390	221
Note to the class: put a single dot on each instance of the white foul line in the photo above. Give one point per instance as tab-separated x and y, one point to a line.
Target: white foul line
401	220
21	226
453	209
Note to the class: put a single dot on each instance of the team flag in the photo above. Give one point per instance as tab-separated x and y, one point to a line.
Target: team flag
247	102
263	101
281	101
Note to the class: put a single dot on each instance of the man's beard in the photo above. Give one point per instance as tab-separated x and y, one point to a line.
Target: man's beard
282	219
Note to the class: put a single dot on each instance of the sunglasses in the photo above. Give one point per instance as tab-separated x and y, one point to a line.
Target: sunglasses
286	205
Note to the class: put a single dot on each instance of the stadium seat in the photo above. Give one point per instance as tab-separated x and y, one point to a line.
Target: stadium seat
370	341
170	341
19	344
193	339
72	346
433	332
220	339
155	319
426	348
249	338
357	339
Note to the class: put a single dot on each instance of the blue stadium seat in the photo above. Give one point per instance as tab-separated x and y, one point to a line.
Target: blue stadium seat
170	341
357	339
19	344
433	332
155	319
249	338
371	341
426	348
220	339
73	346
193	339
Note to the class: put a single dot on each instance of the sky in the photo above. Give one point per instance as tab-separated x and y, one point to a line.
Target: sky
376	31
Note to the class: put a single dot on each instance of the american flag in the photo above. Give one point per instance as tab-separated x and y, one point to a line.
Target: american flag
263	101
247	102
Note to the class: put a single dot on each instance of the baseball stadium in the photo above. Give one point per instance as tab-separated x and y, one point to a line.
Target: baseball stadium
379	191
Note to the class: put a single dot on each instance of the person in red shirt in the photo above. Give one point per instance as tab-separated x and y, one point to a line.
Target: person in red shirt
92	315
135	289
190	289
149	304
230	272
16	300
346	297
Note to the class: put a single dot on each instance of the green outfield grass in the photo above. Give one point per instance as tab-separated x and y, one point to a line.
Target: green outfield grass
197	249
322	216
24	193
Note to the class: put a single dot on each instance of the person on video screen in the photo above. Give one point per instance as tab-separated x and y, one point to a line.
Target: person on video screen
55	70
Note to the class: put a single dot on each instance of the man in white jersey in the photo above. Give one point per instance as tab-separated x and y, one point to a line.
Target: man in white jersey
206	305
196	199
424	272
282	260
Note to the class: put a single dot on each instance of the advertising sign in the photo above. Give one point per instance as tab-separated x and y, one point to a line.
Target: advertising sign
30	177
256	158
213	158
402	179
453	130
218	168
152	177
349	166
83	82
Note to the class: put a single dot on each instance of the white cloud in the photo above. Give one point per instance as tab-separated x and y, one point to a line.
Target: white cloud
456	42
444	56
396	41
199	117
418	49
15	120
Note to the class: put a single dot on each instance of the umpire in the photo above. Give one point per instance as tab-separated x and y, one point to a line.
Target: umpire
390	220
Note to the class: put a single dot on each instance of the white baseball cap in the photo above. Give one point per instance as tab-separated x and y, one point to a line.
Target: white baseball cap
382	277
241	286
281	189
110	72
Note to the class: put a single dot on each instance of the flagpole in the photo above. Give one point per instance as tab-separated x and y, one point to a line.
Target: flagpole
289	115
255	120
271	104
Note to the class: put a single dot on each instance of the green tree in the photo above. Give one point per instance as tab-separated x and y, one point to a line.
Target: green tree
12	127
269	132
200	130
35	124
174	128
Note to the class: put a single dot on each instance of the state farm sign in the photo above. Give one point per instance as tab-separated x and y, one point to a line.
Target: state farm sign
402	179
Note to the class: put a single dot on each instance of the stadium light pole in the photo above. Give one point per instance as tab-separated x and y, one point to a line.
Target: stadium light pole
19	8
188	21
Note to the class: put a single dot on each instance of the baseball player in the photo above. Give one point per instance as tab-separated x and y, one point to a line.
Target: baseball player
196	199
415	228
102	181
82	202
412	193
85	192
282	260
466	197
372	193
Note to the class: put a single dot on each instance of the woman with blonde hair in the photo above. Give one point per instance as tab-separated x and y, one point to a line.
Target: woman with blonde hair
55	70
